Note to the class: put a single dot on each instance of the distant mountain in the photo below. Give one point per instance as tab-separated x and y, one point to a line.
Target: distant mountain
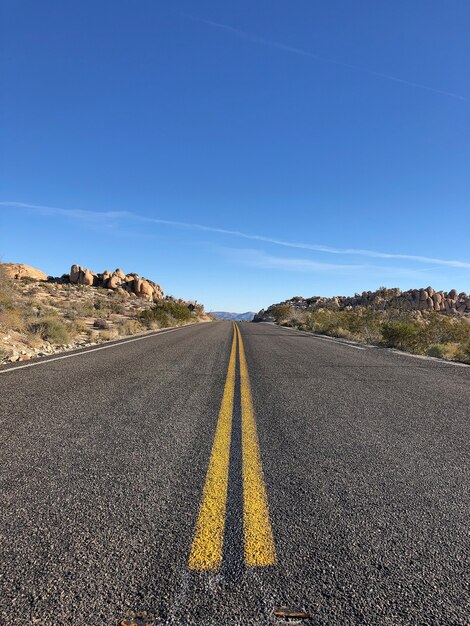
235	317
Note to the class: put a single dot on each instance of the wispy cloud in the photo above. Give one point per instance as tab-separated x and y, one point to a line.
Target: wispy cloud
305	53
258	259
94	216
90	216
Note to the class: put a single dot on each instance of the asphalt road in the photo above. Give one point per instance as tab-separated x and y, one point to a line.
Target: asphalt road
340	484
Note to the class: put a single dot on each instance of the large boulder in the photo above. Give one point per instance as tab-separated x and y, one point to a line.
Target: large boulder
114	281
145	290
128	284
105	276
437	301
76	272
157	292
87	278
119	273
20	270
136	285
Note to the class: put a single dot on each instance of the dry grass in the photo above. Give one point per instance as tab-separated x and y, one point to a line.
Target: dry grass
39	316
12	319
50	329
108	335
130	327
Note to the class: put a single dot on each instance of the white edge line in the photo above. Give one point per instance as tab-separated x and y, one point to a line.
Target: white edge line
85	351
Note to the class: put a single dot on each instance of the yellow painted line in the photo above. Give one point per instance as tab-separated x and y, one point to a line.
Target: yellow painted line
259	541
207	546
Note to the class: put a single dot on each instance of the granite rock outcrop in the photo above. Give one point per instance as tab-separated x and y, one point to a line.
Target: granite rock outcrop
131	285
424	300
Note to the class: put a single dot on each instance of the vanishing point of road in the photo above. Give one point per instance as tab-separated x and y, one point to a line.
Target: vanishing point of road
212	474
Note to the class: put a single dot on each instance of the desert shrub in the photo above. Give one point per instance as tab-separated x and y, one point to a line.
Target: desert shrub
440	329
27	280
342	333
109	335
281	312
50	329
162	318
177	310
116	307
85	309
70	314
77	327
462	353
91	334
155	318
326	322
101	324
462	331
401	335
130	327
101	304
365	325
295	319
438	350
166	313
309	322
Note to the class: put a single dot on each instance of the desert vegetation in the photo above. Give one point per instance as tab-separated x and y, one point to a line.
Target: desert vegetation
431	333
166	313
39	317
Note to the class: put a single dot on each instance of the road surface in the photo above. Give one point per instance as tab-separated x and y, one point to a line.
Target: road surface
210	476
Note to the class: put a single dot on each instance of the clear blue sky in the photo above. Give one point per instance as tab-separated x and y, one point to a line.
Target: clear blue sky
339	125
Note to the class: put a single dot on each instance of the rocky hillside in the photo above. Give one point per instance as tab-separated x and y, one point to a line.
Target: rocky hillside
421	321
383	299
41	315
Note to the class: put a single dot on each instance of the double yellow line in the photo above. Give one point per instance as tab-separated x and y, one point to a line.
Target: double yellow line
207	547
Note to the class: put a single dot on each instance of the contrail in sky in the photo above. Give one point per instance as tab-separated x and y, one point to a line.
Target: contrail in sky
318	57
100	215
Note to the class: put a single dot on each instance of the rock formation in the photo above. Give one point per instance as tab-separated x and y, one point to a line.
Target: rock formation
129	284
20	270
424	300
